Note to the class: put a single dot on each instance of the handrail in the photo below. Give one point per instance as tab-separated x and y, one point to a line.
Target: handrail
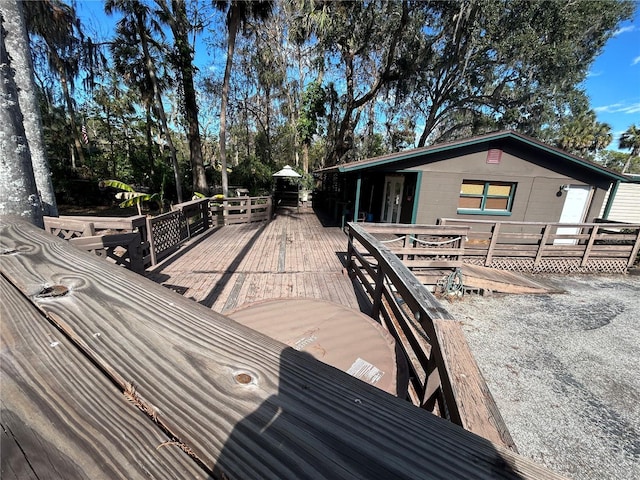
444	377
553	247
234	210
205	396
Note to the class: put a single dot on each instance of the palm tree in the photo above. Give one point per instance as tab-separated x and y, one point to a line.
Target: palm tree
32	121
630	140
18	191
238	13
134	25
176	18
57	25
583	134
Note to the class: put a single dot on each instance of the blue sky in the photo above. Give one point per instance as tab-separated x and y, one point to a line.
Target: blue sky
613	82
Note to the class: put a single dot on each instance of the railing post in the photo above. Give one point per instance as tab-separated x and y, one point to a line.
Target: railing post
204	211
152	246
223	212
350	262
587	250
543	242
377	293
495	231
634	251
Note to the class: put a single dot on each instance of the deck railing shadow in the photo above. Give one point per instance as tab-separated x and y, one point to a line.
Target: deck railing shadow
444	377
211	297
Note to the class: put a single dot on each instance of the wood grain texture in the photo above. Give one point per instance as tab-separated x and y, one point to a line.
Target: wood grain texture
294	418
478	410
292	256
62	418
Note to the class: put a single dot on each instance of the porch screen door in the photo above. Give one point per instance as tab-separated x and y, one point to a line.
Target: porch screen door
392	198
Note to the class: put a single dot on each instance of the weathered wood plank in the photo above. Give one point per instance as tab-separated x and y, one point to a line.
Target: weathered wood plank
295	418
471	391
63	418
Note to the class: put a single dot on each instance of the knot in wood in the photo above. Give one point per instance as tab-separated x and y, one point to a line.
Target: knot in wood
243	378
53	291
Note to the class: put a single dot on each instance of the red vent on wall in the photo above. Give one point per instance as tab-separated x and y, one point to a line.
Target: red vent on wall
494	155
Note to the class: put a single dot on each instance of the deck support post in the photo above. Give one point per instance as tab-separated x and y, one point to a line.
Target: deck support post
356	203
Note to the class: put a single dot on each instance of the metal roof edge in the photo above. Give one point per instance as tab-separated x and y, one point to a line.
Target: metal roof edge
408	154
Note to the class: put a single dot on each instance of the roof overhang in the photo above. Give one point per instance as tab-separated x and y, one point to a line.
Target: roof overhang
286	172
401	157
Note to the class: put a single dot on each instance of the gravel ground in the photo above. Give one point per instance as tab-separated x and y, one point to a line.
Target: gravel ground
564	370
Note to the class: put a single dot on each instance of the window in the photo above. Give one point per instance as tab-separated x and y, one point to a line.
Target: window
486	198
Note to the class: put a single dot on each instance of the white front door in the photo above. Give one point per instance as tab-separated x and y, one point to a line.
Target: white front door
392	198
573	211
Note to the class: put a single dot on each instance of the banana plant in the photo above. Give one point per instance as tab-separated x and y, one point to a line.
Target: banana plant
129	196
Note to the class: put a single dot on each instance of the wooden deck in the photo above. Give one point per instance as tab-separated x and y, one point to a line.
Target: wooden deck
292	256
106	375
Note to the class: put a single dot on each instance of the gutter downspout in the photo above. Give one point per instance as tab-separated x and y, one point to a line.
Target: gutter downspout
612	196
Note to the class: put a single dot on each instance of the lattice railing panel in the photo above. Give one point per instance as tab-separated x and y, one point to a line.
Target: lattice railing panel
553	265
168	230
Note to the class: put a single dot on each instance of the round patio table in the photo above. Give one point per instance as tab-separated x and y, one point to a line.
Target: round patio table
339	336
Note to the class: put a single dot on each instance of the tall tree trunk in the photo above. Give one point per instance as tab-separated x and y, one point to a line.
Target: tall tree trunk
23	69
159	107
149	140
180	27
233	25
72	117
18	191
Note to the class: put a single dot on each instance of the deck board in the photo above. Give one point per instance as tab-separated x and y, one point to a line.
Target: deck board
60	419
297	418
292	256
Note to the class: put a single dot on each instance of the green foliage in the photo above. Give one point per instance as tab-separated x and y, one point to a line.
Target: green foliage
322	82
252	174
130	196
313	109
583	135
618	160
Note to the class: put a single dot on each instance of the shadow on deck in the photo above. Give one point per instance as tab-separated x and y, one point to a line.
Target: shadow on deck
294	255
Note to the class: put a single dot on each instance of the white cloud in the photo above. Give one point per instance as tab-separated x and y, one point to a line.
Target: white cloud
629	28
619	108
635	61
594	74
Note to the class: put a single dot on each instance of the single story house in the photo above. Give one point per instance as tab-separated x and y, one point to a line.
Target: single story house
497	176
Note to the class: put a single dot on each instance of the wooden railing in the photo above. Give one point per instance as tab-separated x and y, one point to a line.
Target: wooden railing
106	374
444	377
550	247
170	230
159	236
234	210
122	239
